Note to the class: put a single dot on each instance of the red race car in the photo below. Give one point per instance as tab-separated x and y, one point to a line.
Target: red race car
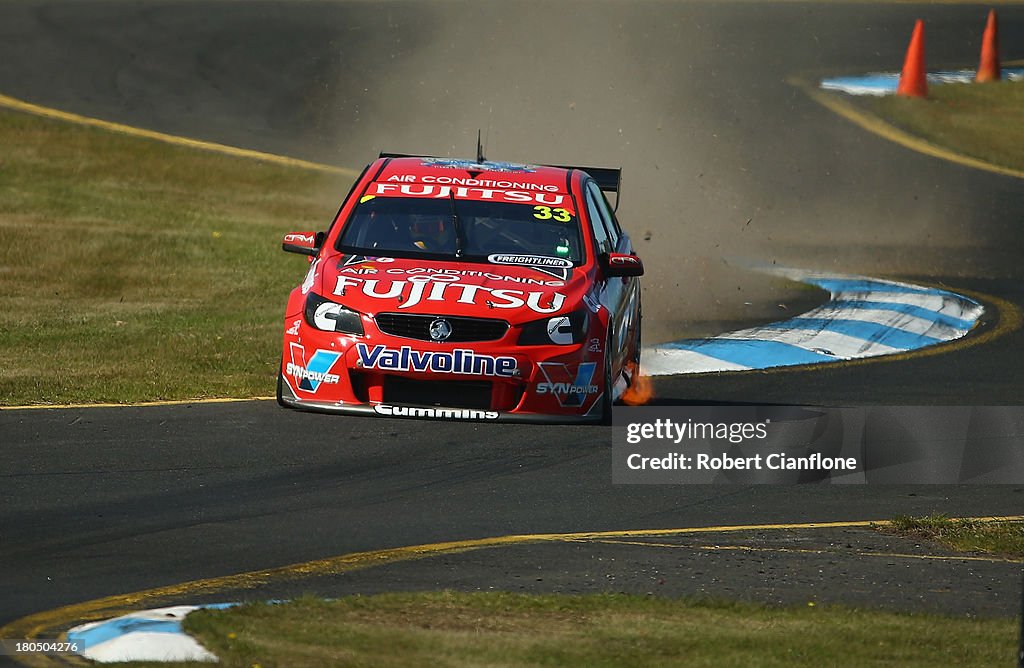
466	290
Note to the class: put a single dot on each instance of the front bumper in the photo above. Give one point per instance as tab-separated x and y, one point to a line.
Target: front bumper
396	377
439	413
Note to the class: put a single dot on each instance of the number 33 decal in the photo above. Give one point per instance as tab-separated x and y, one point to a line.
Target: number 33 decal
547	213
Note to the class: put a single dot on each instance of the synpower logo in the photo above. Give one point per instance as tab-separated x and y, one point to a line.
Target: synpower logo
309	376
570	391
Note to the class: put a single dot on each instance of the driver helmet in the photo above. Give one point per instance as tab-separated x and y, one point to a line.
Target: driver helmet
434	234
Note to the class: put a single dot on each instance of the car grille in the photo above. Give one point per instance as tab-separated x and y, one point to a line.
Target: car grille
448	393
463	329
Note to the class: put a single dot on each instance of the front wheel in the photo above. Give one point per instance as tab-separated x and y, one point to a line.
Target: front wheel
280	387
637	344
606	398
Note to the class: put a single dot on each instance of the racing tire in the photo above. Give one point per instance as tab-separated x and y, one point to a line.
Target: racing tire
280	387
638	342
606	398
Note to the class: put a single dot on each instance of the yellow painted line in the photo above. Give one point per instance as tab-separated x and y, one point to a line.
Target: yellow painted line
53	621
174	402
839	105
935	557
710	548
793	550
57	114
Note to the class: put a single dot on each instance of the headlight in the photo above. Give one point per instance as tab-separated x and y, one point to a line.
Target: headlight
562	330
330	317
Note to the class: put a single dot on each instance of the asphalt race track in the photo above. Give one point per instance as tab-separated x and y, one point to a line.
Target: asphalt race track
723	158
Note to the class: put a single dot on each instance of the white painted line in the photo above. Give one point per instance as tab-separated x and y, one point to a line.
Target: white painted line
144	646
834	344
666	361
865	317
149	635
900	321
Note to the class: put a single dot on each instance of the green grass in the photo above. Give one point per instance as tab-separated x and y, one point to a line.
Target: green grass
1003	538
132	270
984	121
499	629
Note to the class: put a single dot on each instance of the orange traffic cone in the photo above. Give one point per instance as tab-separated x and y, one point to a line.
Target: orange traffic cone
912	81
988	70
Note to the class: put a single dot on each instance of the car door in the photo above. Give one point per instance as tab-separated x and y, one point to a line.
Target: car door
615	294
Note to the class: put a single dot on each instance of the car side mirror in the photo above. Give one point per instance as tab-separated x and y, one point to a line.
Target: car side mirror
303	243
621	264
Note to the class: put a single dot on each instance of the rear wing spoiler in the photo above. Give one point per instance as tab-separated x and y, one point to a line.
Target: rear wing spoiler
609	179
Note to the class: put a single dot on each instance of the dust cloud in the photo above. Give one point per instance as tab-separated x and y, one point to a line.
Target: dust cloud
723	162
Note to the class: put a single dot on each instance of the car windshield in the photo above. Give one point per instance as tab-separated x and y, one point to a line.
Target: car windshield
411	227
